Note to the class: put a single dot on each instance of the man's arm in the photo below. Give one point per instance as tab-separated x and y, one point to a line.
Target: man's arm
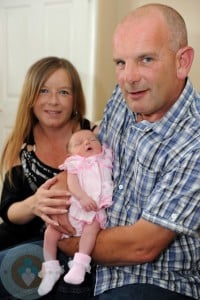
124	245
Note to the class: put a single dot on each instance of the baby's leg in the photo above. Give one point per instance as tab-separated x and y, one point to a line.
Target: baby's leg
51	269
51	238
81	262
88	237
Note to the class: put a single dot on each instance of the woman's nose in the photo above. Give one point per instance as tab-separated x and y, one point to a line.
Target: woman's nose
53	97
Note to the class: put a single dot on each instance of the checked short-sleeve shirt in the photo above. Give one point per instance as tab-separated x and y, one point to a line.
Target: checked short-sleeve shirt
156	175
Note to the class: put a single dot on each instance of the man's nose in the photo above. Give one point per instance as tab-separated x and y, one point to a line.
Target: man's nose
131	73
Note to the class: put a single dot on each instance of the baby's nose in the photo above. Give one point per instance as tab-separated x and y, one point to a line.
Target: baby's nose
87	141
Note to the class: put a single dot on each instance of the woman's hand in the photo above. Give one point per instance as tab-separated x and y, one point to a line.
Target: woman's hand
64	226
62	223
50	200
46	201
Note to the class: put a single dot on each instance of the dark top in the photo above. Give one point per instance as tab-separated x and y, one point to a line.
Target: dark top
26	177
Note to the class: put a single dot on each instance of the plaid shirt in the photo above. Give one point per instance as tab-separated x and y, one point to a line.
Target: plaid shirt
157	177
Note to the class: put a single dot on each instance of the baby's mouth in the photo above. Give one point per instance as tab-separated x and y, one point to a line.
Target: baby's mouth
89	148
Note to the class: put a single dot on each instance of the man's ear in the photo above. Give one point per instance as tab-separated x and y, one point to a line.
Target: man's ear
184	58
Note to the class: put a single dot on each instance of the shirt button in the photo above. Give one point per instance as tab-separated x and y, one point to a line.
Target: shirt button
120	186
173	217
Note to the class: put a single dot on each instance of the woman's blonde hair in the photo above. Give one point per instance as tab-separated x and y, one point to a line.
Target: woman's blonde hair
25	120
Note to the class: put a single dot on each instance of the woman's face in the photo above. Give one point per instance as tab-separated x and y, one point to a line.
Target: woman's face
54	106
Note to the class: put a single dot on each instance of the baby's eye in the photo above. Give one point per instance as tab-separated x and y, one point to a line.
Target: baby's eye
77	144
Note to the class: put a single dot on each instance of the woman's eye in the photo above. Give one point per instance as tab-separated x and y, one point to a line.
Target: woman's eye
44	91
65	92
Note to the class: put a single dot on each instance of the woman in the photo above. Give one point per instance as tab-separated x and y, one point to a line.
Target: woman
51	108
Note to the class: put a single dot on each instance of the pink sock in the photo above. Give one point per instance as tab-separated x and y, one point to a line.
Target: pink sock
78	267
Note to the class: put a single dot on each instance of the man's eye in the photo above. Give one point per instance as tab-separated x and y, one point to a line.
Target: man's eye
147	59
120	64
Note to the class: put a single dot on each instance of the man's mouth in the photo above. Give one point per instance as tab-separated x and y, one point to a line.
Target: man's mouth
136	94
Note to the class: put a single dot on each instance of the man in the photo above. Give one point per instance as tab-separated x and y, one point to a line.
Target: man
151	249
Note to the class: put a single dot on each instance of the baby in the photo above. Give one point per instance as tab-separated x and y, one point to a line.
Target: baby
89	180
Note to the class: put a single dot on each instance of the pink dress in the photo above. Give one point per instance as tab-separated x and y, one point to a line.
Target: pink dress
95	177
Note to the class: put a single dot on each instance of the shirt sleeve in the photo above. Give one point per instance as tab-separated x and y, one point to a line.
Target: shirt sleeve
71	164
175	200
13	192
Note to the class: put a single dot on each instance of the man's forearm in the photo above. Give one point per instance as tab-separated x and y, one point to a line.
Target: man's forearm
109	248
125	245
69	245
135	244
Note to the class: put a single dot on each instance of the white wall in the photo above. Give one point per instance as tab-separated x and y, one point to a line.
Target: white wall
92	25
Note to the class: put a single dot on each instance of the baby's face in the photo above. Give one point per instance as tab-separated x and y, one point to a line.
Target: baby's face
84	143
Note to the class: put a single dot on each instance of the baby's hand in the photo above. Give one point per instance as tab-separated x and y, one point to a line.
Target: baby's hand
88	203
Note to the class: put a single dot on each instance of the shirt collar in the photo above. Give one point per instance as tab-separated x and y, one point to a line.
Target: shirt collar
177	112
